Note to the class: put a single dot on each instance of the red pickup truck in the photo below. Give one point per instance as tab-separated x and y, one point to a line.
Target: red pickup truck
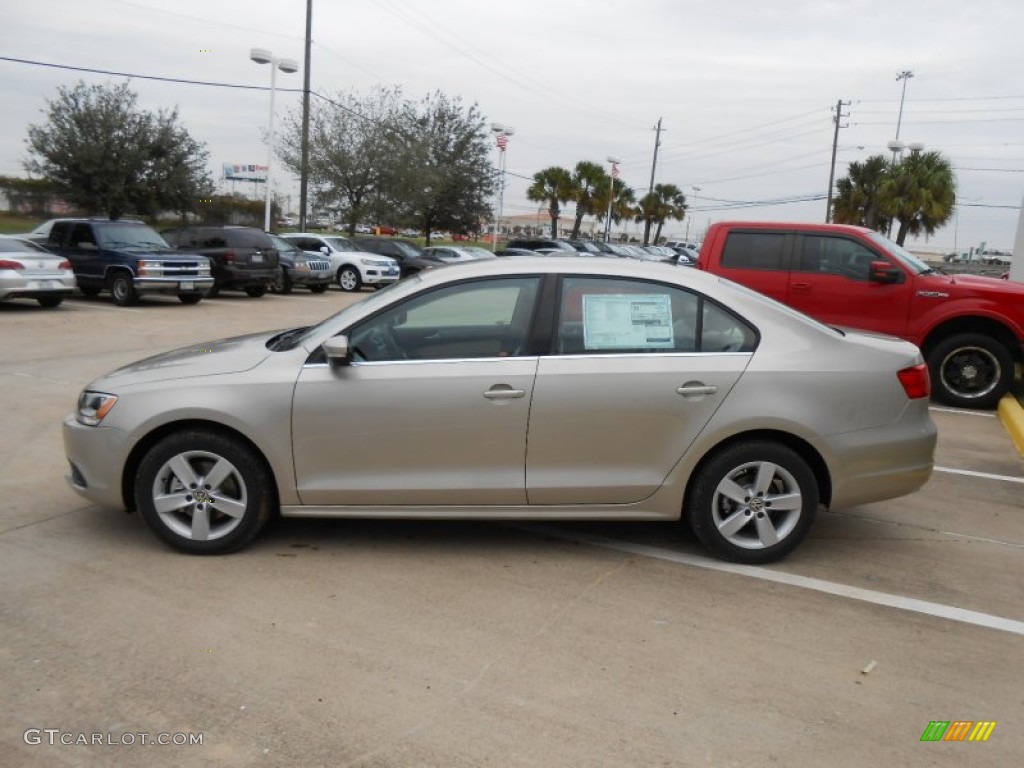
970	329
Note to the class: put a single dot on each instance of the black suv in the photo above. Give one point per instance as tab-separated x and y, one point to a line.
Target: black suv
241	257
127	258
411	258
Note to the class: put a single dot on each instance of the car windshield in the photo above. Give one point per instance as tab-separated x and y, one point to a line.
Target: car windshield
340	244
299	337
128	236
906	257
14	245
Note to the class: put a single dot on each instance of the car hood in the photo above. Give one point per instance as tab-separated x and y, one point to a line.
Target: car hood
977	284
240	353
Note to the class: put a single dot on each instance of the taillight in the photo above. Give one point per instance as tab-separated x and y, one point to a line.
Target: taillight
8	264
916	381
229	256
65	264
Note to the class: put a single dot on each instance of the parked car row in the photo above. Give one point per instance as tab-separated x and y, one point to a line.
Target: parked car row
553	246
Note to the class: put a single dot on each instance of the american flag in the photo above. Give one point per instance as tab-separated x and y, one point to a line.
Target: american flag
615	170
502	141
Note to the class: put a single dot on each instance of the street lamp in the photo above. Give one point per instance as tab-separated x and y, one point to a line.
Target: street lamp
904	76
263	56
686	237
501	132
611	196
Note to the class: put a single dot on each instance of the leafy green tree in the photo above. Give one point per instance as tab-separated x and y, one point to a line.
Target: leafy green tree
858	194
589	182
351	141
440	174
105	155
666	202
920	193
553	186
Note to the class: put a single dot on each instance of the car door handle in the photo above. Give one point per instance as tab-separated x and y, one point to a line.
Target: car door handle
696	389
504	392
805	287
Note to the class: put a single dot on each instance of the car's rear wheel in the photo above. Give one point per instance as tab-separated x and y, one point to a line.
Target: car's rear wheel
50	301
190	298
349	279
283	283
255	291
204	493
753	501
970	370
122	289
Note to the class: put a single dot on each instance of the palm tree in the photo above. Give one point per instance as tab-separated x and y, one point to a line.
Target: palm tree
589	181
666	202
858	195
552	186
920	193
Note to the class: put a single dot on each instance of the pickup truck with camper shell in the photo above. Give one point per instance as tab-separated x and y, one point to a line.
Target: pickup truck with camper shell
970	328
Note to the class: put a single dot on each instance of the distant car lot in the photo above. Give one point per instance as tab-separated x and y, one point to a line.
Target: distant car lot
463	643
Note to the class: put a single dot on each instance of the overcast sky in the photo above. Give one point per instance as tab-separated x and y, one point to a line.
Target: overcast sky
744	89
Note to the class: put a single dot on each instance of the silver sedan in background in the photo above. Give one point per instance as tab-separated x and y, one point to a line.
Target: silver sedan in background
647	392
29	271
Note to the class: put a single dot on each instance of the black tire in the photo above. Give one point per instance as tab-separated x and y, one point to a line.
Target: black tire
214	292
349	279
122	289
50	301
89	290
769	521
283	283
234	510
255	291
318	288
190	298
970	370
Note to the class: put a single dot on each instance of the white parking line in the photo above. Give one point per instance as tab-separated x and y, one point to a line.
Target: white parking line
983	475
962	411
791	579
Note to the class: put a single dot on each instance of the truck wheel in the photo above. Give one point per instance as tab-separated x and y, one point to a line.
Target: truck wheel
753	501
282	284
190	298
122	289
203	493
255	291
349	279
970	370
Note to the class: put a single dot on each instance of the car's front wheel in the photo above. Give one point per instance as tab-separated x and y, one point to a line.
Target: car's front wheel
204	493
122	289
349	279
282	283
753	501
970	370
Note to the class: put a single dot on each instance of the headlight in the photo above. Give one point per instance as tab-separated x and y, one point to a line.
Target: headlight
369	262
149	268
93	407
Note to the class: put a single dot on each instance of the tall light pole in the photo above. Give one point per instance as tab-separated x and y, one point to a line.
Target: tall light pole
501	132
611	197
686	237
263	56
904	76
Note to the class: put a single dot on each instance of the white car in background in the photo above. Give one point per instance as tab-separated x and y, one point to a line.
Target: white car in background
29	271
352	267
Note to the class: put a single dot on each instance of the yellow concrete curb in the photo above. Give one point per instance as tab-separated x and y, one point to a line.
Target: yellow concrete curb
1012	416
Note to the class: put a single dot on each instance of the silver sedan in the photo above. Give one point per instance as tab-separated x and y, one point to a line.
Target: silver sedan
532	388
29	271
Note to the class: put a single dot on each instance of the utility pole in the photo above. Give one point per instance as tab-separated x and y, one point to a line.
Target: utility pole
835	145
304	171
650	187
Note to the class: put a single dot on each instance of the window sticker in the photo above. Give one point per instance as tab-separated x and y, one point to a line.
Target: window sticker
627	321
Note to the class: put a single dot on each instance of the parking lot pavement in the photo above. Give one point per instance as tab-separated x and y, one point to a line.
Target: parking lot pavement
383	643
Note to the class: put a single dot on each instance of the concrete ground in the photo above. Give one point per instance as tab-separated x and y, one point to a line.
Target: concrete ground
358	643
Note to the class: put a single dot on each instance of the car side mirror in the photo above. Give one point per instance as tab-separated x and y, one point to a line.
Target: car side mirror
325	250
884	272
337	350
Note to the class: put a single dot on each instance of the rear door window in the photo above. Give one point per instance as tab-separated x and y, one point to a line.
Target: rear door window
755	250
